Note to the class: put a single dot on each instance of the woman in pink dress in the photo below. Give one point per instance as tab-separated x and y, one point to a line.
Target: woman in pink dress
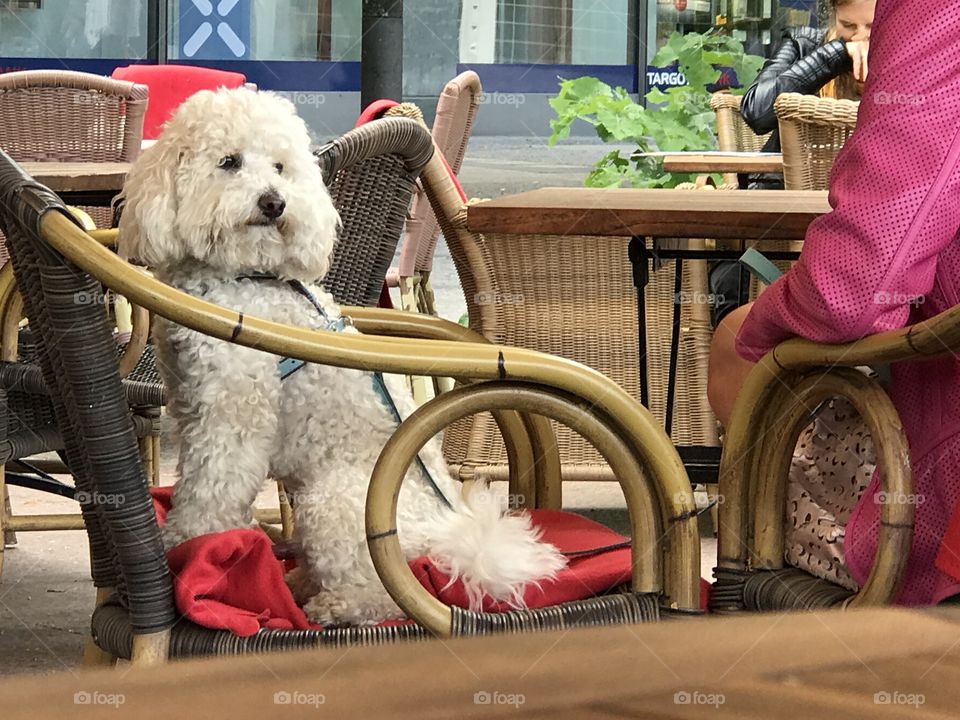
888	255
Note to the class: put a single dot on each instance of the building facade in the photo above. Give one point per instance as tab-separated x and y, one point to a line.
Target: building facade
310	49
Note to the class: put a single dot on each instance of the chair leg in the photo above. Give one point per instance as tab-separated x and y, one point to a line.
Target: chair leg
408	303
146	457
286	513
155	453
426	305
151	649
93	655
9	536
713	495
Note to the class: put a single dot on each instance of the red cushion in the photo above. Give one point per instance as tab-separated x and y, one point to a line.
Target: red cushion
232	581
170	85
597	561
375	110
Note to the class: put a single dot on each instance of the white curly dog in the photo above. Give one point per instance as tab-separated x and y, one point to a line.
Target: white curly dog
229	193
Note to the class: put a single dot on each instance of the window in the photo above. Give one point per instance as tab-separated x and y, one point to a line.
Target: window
563	32
264	30
756	23
73	28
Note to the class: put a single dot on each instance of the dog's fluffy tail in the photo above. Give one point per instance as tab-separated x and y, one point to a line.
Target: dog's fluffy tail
493	552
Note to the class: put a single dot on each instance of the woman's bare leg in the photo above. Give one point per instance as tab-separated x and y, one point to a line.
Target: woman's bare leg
727	371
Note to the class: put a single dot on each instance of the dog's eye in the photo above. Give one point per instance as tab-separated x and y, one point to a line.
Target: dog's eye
230	162
279	167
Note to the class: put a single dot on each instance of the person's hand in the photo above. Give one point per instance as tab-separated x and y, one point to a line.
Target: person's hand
858	52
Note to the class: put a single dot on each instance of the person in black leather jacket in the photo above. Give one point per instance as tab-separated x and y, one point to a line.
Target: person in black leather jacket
831	63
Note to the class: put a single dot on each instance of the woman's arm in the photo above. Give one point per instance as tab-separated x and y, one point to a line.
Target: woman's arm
791	71
895	191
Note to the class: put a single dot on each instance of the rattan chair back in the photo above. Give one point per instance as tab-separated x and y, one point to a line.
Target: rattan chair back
812	131
372	175
65	116
733	133
456	112
574	297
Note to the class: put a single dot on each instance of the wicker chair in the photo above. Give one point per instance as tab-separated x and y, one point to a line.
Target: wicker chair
54	261
456	112
373	198
812	131
372	174
573	297
770	413
60	115
53	115
733	133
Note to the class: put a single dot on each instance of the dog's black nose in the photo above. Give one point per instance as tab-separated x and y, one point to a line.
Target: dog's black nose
271	204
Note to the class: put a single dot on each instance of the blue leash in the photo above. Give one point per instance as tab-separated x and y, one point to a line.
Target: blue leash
288	366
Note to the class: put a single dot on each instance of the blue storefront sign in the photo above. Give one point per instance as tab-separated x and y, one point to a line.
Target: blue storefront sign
664	78
215	29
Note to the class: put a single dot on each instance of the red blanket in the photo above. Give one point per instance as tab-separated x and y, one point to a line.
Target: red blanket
232	581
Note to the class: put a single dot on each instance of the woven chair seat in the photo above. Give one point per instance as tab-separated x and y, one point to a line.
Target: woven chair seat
112	630
791	589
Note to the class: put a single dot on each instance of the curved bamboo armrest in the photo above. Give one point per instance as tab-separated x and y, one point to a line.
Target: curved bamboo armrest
634	424
532	450
11	313
774	405
414	432
760	441
932	337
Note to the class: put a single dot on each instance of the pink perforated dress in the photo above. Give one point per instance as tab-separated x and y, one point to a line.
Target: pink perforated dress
889	255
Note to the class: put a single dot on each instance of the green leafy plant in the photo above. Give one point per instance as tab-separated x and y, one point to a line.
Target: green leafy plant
676	120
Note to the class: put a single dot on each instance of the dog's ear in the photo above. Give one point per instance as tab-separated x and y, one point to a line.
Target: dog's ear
148	222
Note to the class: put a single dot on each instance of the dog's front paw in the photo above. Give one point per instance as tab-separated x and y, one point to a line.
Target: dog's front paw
302	587
351	606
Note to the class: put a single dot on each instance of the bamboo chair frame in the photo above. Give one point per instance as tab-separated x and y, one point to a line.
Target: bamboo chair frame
456	112
455	115
812	132
516	379
770	412
488	266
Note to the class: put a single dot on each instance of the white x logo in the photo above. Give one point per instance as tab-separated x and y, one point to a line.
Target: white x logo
226	33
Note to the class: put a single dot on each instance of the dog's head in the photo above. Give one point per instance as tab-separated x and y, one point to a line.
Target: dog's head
231	183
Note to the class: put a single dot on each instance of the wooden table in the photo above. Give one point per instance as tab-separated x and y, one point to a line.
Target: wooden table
857	664
740	215
92	183
658	224
720	162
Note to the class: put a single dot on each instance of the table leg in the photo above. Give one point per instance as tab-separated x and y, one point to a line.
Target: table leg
640	260
674	345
